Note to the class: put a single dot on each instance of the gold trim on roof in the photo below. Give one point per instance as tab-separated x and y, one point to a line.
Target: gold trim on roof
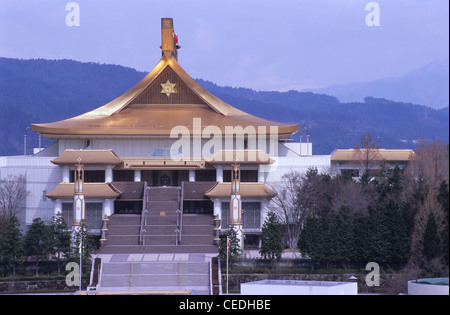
106	157
157	163
248	190
90	190
118	119
396	155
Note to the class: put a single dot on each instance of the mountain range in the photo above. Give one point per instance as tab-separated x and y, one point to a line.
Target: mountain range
427	85
38	90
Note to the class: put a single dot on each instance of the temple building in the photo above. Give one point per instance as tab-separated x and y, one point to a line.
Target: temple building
160	158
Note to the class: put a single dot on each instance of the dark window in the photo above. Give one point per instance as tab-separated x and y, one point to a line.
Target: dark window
225	215
251	241
205	176
251	219
93	212
90	176
123	175
128	206
247	176
252	215
198	206
94	215
67	213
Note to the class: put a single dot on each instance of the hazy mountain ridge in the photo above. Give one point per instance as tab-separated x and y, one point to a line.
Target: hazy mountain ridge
33	91
428	86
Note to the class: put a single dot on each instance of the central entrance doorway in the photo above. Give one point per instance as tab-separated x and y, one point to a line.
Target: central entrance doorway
164	180
164	177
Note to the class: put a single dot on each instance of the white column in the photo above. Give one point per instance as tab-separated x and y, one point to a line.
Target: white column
108	205
263	213
192	175
58	208
65	174
109	174
261	177
218	208
137	175
219	173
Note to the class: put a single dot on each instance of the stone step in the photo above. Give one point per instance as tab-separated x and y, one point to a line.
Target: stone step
122	240
197	219
141	249
155	268
162	194
124	219
144	280
157	206
160	239
160	229
123	230
198	229
161	219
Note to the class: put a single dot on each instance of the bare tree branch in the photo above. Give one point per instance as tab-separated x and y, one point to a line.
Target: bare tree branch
12	195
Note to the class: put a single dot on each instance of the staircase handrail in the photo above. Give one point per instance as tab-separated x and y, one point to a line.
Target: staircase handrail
180	207
104	231
144	213
95	277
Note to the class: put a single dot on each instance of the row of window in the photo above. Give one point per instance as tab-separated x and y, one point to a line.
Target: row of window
251	217
98	176
94	219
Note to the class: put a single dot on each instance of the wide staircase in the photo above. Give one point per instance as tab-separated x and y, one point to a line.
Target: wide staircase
156	274
161	250
162	228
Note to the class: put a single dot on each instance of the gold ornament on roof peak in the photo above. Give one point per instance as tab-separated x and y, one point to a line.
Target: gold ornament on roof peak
168	88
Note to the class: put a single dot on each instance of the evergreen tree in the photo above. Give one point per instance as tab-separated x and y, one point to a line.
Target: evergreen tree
11	246
312	241
344	240
443	199
431	241
388	234
61	238
361	241
38	242
271	238
390	221
234	250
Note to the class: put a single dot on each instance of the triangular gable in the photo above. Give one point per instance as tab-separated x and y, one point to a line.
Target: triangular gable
148	91
167	88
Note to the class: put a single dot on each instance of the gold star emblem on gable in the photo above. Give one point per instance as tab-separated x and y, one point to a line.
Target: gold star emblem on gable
168	88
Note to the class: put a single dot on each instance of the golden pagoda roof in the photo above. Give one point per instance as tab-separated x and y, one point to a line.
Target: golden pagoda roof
249	190
165	98
90	190
156	163
393	155
107	157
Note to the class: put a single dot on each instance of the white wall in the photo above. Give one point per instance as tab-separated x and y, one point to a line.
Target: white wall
273	173
293	287
41	177
415	288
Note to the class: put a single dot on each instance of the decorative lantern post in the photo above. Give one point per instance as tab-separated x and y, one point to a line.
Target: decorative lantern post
236	204
79	214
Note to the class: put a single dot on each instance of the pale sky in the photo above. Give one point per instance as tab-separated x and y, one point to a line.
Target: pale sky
259	44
